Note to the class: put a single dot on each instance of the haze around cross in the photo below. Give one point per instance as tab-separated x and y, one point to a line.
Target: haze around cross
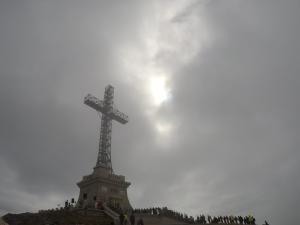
211	89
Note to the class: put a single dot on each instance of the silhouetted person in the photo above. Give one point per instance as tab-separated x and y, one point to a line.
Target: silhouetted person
121	218
209	218
132	219
140	222
240	219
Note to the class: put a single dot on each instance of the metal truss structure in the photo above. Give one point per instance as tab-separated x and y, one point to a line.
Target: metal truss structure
109	113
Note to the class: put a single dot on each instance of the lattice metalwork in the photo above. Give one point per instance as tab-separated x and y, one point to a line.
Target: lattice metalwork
108	114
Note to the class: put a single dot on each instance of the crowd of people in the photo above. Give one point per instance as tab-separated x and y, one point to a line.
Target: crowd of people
129	218
201	219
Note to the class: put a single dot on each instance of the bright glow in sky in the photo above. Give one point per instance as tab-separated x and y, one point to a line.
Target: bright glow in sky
164	128
169	39
159	90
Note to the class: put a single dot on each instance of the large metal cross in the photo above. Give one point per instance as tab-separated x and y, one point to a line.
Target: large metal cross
108	114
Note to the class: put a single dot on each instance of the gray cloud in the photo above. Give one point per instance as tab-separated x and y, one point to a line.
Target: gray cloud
234	146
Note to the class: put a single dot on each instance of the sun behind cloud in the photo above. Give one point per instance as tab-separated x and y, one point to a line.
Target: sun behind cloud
159	90
171	34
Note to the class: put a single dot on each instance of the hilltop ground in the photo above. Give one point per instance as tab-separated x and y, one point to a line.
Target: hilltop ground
57	217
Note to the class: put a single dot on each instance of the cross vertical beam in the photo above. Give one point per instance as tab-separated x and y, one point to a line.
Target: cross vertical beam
108	114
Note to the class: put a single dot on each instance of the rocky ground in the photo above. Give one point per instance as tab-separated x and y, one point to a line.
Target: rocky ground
60	217
2	222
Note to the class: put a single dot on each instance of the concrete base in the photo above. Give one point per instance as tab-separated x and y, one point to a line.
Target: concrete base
103	187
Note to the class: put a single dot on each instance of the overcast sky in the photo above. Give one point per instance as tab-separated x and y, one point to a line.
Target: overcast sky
211	88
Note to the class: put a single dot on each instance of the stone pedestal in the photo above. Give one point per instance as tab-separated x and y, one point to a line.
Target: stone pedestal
104	187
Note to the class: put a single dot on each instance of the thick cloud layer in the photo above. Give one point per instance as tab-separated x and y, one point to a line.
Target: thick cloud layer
211	89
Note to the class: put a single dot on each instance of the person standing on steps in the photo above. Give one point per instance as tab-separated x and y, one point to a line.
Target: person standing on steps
140	222
132	219
121	218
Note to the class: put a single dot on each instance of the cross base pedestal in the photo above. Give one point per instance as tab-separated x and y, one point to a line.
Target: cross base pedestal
103	187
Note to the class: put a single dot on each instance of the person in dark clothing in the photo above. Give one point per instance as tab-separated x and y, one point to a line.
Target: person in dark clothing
121	218
140	222
132	219
240	219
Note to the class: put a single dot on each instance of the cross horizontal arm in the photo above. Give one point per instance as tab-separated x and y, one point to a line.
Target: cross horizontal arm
98	105
95	103
119	116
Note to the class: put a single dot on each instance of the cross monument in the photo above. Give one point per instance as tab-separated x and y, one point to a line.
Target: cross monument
103	186
108	114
